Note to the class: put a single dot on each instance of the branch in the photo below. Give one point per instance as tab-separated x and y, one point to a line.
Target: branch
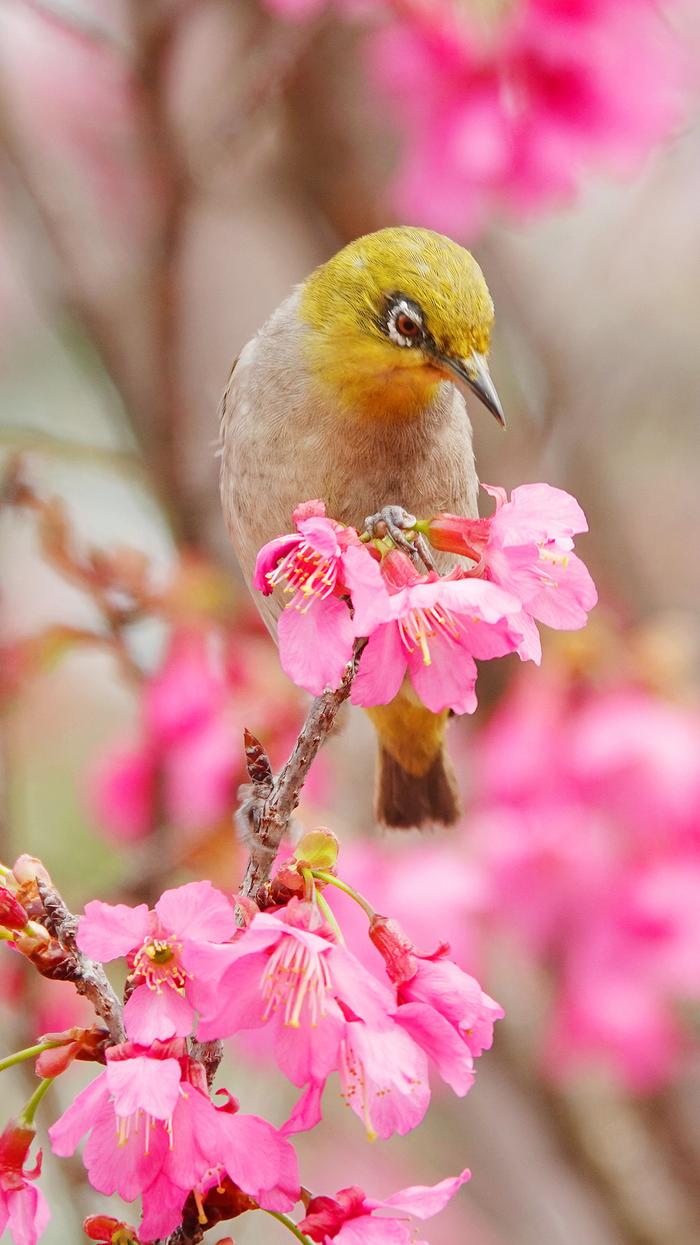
88	977
265	814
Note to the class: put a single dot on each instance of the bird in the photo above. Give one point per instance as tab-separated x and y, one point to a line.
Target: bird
355	392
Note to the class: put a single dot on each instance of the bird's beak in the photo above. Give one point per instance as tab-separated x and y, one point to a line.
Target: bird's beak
473	374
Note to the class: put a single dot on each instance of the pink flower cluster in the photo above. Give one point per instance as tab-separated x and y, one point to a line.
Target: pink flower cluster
513	110
428	626
154	1131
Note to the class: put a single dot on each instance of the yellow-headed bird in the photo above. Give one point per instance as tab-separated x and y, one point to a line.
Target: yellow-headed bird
353	392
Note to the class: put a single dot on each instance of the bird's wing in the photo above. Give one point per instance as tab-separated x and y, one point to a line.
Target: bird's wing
222	412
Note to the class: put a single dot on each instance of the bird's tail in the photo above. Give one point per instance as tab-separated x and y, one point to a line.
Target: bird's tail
416	784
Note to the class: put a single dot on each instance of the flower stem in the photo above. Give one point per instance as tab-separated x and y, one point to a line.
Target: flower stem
29	1052
289	1223
331	880
329	915
30	1109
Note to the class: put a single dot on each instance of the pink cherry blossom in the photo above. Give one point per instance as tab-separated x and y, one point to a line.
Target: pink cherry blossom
122	789
526	547
161	946
433	629
317	565
349	1218
443	1009
155	1133
23	1209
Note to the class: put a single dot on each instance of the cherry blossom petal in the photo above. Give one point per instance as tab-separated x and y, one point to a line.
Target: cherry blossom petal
142	1084
156	1015
269	556
370	599
449	681
238	1003
424	1201
384	1077
197	911
382	668
28	1215
162	1208
320	533
316	643
307	1110
80	1116
441	1043
310	1052
129	1168
108	931
259	1160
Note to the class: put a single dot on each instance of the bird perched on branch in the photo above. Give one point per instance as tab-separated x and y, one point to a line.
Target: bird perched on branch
354	392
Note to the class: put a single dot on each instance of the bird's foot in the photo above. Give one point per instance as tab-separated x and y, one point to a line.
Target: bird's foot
394	521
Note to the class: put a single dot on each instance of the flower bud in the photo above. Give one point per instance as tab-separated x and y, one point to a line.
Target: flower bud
109	1231
30	869
453	534
398	570
12	914
395	948
317	850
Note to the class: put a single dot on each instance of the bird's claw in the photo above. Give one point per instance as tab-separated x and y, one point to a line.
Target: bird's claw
392	521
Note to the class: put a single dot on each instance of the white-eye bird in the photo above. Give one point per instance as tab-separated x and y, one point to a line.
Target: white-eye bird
354	392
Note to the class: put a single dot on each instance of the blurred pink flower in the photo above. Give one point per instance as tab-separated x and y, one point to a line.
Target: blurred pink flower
183	767
161	946
121	791
23	1209
433	629
516	115
349	1217
317	565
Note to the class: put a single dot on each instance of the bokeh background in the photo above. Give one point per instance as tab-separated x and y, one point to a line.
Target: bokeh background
169	170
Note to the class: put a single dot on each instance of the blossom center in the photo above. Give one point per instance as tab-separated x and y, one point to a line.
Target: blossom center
307	573
295	975
127	1123
421	624
158	964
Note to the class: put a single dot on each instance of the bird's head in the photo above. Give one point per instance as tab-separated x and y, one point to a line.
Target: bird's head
394	315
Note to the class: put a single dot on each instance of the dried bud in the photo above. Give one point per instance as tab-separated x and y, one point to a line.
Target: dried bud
29	869
317	850
12	914
395	948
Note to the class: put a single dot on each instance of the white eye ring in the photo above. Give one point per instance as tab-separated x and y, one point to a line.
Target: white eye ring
403	308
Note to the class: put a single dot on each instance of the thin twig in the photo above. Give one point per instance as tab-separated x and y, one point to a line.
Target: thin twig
268	816
88	977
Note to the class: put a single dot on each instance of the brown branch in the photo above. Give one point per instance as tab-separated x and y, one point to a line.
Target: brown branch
88	977
265	814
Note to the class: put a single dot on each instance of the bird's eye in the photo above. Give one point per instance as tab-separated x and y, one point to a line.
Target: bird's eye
406	326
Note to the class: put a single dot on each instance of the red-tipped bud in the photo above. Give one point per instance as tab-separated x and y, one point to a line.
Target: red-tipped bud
12	914
109	1231
395	948
15	1142
453	534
